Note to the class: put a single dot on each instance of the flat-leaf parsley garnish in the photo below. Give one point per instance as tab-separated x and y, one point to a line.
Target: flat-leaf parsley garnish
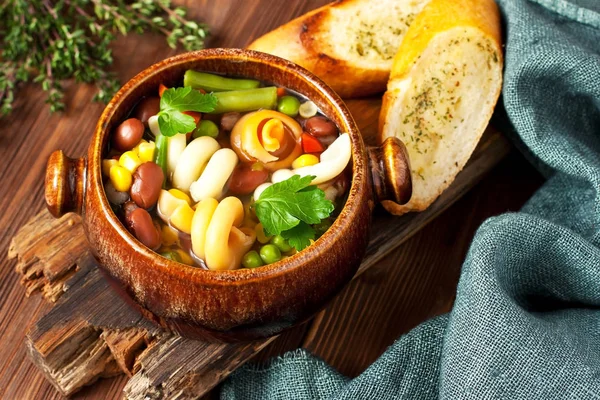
174	101
288	208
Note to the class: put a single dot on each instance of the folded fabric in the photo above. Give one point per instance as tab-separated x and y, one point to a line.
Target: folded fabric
526	321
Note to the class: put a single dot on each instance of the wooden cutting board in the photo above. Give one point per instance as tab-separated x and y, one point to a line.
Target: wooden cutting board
92	333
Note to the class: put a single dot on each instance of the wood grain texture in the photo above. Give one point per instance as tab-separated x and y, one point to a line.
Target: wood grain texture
31	133
92	333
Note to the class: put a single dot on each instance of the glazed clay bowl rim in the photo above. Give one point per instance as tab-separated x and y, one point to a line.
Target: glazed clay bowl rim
239	276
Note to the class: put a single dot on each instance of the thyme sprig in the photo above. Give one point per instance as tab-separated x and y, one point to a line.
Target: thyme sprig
47	41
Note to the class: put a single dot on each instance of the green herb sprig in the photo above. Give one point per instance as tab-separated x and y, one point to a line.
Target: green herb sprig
173	103
47	41
288	208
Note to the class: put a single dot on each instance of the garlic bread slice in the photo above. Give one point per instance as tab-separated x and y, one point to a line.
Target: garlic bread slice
350	44
444	84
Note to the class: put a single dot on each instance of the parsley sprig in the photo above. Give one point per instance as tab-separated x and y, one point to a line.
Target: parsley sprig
174	101
288	208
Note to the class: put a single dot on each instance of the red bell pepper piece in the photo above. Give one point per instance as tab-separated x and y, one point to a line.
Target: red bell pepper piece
194	114
161	89
311	144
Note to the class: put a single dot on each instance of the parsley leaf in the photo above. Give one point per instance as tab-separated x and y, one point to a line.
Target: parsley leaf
284	205
299	236
175	122
171	119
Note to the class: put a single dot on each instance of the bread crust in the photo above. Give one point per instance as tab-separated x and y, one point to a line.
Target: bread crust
437	17
301	41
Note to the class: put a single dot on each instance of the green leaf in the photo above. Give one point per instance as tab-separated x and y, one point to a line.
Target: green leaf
187	99
284	205
175	122
299	236
171	119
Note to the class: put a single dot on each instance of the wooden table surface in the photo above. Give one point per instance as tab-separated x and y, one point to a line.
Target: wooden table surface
415	282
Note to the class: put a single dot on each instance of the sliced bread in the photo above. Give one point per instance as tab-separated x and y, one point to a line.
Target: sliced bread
350	44
444	84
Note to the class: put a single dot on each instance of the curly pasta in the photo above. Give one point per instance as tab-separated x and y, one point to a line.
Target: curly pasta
332	161
192	161
216	236
215	175
261	135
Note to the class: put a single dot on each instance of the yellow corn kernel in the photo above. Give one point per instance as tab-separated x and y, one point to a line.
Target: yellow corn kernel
121	178
168	236
260	234
107	165
185	257
136	149
181	195
130	161
182	218
305	160
145	151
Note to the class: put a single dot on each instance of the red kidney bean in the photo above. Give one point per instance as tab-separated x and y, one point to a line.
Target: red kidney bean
185	241
141	225
147	182
320	126
229	119
128	134
327	140
114	196
244	179
146	108
128	208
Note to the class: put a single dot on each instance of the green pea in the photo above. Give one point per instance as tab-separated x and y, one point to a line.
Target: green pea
252	260
171	255
288	105
270	253
281	243
206	128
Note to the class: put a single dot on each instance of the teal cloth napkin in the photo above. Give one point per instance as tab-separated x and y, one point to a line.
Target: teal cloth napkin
526	321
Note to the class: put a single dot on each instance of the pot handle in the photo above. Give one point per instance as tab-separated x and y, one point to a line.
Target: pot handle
390	171
64	184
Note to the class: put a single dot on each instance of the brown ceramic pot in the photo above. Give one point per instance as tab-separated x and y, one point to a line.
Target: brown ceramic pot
246	303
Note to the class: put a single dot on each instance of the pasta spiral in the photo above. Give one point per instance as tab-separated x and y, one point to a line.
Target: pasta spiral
269	137
216	236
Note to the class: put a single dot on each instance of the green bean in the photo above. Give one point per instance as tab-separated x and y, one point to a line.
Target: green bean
246	100
216	83
160	155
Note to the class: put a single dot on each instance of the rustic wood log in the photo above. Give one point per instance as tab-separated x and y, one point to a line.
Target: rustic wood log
47	249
